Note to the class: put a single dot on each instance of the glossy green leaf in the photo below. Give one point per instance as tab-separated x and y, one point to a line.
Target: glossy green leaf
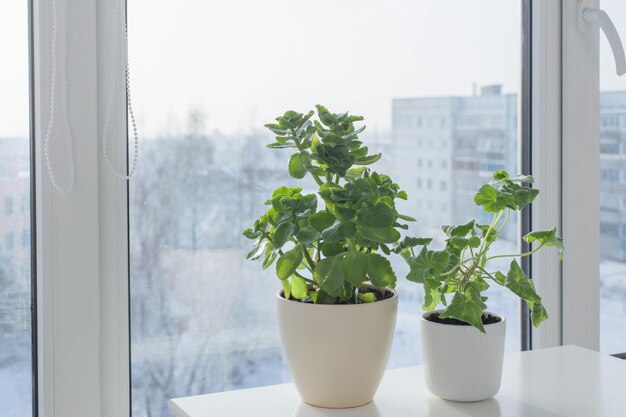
282	233
329	275
298	164
339	231
321	220
298	287
380	235
380	272
289	262
379	215
368	297
354	267
286	288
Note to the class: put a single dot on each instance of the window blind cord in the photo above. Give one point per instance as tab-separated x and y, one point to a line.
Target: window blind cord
105	128
70	140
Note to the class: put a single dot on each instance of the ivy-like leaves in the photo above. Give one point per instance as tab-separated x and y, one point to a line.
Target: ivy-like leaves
461	268
546	238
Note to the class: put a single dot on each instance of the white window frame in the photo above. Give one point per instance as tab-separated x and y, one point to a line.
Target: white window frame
581	177
566	166
82	237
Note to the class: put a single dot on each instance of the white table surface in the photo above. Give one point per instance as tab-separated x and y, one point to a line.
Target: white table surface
566	381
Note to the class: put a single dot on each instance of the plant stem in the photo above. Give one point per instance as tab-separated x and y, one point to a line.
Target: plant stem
310	281
307	256
517	255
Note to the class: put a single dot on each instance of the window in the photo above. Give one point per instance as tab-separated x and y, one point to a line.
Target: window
8	205
16	388
612	108
419	162
205	173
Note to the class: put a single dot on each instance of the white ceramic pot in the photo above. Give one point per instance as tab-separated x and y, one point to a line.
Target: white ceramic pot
337	354
460	362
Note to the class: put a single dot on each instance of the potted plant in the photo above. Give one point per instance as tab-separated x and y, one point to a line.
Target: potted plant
337	307
463	343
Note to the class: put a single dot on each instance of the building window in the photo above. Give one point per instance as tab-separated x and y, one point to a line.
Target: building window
444	186
8	205
609	229
429	184
25	238
444	163
419	183
609	175
419	162
9	241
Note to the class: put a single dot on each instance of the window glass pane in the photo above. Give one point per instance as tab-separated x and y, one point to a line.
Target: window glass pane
15	244
439	105
612	191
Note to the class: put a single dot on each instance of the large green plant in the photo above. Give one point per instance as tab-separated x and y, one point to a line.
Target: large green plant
461	270
326	250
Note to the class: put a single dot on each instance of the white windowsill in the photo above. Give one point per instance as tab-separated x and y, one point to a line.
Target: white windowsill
562	381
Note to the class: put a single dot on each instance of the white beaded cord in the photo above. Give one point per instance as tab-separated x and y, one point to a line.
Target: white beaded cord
69	139
105	128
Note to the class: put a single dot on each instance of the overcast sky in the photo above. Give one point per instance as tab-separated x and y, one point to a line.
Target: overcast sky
241	63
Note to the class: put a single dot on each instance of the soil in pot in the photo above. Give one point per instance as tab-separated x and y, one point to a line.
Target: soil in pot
486	319
381	294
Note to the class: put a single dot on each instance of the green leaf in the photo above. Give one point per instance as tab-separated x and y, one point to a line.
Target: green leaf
339	231
251	234
380	235
286	288
332	249
298	287
519	284
344	214
468	308
547	238
289	262
460	230
406	218
298	164
378	216
368	297
280	191
257	249
380	272
489	199
500	278
428	264
539	314
307	235
368	160
321	220
282	233
270	256
278	145
354	267
432	295
329	275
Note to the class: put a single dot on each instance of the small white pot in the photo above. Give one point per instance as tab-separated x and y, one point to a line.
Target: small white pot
337	354
460	362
